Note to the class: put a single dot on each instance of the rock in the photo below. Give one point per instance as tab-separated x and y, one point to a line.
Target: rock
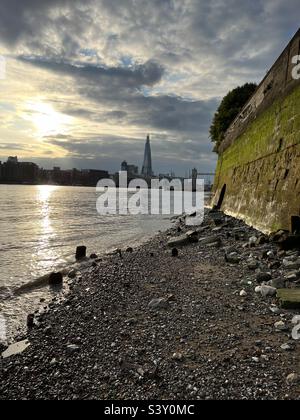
262	240
16	348
275	310
286	347
215	244
55	279
291	265
289	242
171	298
233	258
72	274
209	240
252	264
192	236
73	348
277	283
271	255
266	291
157	304
279	235
177	356
80	252
129	250
292	379
48	330
175	253
281	254
93	256
178	241
289	298
292	276
280	326
252	241
274	265
243	293
30	321
263	277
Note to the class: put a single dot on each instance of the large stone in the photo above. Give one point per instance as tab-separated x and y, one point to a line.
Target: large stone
178	241
192	235
209	240
263	277
16	348
252	264
73	348
262	240
280	326
289	242
293	379
289	298
277	283
291	265
233	258
157	304
266	291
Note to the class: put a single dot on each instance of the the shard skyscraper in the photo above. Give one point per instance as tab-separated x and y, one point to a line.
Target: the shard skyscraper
147	166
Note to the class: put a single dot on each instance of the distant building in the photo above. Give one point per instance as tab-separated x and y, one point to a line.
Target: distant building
16	172
147	165
91	177
19	172
130	169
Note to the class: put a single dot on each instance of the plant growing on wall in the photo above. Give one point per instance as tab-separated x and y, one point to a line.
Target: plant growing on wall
230	107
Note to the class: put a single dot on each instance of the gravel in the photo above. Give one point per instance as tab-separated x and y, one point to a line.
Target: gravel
151	326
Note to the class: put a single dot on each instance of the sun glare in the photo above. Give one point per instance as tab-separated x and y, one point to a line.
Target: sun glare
47	120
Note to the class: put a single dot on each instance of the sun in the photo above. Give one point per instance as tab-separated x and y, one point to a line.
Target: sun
46	120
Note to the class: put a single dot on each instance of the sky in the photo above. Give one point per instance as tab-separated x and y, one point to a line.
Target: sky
86	81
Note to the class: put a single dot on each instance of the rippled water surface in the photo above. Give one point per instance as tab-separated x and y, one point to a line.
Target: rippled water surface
40	228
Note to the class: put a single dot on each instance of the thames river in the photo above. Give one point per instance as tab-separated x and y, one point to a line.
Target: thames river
40	228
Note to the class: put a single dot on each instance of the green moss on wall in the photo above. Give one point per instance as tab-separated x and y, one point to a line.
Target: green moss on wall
261	169
280	123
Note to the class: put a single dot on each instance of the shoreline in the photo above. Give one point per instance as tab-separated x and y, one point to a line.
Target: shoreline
151	326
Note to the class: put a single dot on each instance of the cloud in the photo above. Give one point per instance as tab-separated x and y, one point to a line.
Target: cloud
147	74
123	68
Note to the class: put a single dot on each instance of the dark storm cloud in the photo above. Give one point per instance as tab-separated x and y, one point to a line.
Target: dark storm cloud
117	87
147	74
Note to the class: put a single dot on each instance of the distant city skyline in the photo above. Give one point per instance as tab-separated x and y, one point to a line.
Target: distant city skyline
83	82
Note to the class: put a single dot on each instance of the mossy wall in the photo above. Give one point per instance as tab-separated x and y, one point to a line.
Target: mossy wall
261	166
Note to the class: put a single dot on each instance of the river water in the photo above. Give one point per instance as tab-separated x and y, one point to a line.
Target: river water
40	228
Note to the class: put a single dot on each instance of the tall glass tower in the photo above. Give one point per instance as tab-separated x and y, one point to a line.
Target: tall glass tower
147	166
